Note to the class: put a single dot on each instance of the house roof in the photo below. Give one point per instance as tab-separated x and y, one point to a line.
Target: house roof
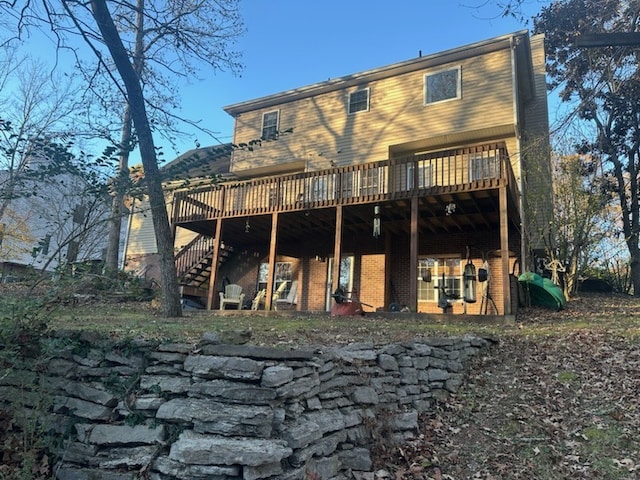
519	40
199	162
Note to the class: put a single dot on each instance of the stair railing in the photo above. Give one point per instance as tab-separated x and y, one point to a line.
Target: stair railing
194	253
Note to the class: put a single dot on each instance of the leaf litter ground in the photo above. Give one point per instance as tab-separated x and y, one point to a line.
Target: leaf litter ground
558	401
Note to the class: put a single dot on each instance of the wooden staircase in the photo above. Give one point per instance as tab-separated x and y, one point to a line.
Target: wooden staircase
193	264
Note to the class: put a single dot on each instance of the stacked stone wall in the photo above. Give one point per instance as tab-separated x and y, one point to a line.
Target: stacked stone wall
229	412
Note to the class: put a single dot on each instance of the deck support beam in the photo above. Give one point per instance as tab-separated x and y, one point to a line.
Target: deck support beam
504	251
337	251
389	295
413	257
273	252
214	265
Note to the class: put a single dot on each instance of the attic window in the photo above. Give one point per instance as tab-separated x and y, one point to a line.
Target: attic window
359	101
270	125
442	86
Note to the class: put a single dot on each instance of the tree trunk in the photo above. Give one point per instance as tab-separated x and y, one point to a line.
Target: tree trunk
632	245
126	138
117	206
164	237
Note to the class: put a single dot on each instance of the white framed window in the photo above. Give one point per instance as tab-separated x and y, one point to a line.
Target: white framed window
359	101
322	188
372	181
484	165
424	174
283	273
270	125
442	86
432	271
277	195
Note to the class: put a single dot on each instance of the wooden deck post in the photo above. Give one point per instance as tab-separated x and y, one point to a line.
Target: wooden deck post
504	251
175	208
213	276
337	250
273	251
413	257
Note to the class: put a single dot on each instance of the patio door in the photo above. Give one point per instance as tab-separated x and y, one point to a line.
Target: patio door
346	278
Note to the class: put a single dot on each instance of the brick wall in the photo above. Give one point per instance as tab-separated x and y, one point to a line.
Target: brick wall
371	281
369	272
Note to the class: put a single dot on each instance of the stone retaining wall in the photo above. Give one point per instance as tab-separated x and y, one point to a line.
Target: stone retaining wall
227	412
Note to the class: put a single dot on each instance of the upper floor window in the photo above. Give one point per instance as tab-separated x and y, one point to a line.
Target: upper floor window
423	171
270	125
359	101
443	85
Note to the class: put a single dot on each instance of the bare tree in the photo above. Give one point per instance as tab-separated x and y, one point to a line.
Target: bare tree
518	10
135	100
181	28
43	186
580	210
35	115
604	83
204	30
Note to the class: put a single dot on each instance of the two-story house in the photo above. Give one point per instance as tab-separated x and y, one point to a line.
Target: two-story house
415	175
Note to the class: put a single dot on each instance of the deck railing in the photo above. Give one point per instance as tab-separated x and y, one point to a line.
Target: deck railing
471	168
191	254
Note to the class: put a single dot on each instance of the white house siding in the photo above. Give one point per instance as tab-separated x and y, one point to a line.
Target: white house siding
141	248
50	215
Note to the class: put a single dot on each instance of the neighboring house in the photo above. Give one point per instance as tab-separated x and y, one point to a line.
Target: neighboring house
410	174
55	226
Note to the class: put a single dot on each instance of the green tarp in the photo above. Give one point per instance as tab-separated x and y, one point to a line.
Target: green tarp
542	291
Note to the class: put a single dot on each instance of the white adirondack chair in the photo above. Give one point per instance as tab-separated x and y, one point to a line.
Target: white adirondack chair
275	298
292	296
232	295
259	299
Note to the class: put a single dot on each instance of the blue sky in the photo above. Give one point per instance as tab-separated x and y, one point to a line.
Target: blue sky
294	43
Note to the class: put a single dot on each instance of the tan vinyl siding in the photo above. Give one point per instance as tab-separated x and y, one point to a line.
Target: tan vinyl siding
536	154
183	237
325	134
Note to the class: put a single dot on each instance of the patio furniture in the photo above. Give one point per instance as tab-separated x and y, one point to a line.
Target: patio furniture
262	295
232	295
259	299
278	293
292	296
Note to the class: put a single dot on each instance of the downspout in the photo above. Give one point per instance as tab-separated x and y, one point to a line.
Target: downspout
516	121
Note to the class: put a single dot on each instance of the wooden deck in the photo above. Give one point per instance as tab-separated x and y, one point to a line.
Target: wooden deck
458	171
459	191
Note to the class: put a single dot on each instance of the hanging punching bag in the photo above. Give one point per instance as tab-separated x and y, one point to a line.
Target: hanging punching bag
469	282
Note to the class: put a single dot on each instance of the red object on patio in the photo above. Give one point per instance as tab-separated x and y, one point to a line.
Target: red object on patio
346	305
347	308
